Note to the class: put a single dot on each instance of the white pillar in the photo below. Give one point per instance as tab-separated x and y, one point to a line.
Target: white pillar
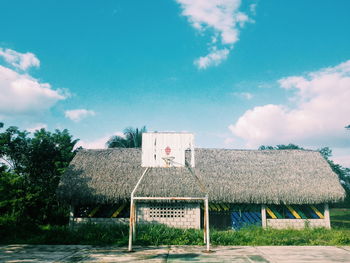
71	216
326	216
263	216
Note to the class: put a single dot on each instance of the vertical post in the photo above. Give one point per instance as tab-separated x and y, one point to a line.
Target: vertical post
131	223
132	212
134	223
263	216
71	216
207	222
326	216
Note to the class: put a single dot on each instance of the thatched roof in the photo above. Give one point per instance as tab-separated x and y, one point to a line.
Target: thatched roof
235	176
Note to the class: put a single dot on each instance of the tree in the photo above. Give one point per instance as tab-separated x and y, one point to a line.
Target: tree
290	146
342	172
30	171
132	138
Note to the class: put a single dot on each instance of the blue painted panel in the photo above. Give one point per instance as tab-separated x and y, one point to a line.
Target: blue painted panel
250	219
289	214
312	213
242	219
236	216
256	216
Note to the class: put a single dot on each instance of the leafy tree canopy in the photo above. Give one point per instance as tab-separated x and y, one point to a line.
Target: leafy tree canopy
30	169
132	138
290	146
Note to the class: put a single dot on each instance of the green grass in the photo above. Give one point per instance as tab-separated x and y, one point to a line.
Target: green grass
162	235
147	235
340	217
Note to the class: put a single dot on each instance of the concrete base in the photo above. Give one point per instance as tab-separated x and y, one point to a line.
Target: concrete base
85	220
72	253
297	223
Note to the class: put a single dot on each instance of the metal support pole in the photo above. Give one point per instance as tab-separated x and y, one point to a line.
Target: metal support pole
207	223
131	223
132	211
134	223
170	198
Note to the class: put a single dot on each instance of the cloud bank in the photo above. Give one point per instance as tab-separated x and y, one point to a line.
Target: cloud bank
20	93
37	127
18	60
78	114
223	18
99	143
317	112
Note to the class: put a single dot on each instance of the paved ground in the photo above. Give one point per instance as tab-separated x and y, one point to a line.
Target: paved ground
292	254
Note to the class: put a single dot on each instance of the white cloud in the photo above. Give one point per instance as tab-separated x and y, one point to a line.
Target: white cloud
222	16
21	61
243	95
212	59
99	143
320	110
252	8
78	114
21	93
343	160
229	141
37	127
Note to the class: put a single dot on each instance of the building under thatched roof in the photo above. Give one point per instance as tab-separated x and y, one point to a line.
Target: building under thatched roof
269	178
233	176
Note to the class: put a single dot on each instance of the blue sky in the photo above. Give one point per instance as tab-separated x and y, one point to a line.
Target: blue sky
236	74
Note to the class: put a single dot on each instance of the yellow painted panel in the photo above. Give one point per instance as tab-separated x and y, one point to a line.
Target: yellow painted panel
218	207
294	213
94	211
317	212
117	212
225	207
269	211
212	207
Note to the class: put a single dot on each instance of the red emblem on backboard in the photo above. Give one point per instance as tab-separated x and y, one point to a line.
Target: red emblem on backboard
167	150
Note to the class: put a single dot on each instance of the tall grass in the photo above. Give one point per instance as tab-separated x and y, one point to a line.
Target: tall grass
155	235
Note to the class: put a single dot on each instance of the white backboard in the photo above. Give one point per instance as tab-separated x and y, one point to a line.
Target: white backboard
167	149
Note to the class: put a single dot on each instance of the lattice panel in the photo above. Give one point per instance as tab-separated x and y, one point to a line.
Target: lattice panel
167	210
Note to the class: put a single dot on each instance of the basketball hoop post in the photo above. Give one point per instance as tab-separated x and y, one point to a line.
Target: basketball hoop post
132	223
152	156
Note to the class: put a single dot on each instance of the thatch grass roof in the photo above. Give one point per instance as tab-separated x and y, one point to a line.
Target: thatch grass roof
234	176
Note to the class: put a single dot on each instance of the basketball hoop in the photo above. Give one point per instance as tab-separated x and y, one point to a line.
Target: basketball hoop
168	161
166	149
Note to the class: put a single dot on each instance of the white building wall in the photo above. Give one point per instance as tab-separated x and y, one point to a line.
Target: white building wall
296	223
180	215
75	221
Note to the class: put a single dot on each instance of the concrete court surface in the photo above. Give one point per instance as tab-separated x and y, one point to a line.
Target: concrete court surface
247	254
